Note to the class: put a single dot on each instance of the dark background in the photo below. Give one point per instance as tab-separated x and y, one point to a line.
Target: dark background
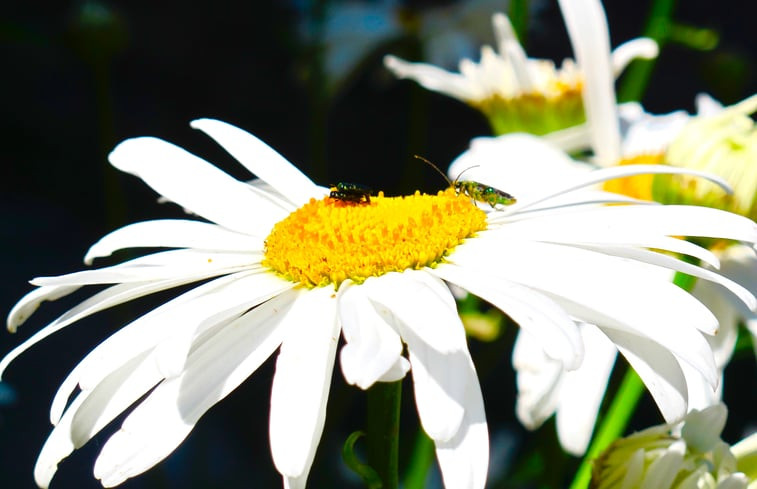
79	77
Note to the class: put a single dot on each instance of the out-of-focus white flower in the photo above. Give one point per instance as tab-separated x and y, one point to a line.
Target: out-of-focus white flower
688	456
521	94
290	267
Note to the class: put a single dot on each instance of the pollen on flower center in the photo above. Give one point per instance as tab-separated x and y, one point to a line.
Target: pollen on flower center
328	241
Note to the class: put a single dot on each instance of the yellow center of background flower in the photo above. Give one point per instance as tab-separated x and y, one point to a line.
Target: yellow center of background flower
637	186
328	241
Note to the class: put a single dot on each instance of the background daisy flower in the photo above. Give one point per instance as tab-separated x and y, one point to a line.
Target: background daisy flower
522	94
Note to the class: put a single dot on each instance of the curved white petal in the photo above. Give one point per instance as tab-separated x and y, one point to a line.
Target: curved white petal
260	159
112	296
532	311
642	47
674	220
194	184
28	304
163	265
92	410
670	316
173	233
556	188
301	383
587	27
440	368
464	459
432	78
157	426
654	258
169	324
372	347
538	378
397	371
397	295
583	390
658	369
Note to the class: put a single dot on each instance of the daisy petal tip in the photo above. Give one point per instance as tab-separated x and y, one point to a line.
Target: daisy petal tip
205	122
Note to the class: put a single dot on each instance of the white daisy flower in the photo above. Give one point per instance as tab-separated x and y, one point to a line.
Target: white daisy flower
288	267
522	94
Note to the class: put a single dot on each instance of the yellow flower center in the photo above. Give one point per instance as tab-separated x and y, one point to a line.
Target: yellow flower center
637	186
559	106
330	240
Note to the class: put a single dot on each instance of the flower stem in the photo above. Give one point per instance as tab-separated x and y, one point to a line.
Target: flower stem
421	459
518	14
659	26
383	431
613	425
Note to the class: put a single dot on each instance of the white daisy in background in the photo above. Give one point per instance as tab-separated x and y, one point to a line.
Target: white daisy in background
521	94
688	455
287	267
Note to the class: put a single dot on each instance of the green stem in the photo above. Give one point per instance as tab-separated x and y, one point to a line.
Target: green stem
659	25
518	14
613	425
420	462
383	431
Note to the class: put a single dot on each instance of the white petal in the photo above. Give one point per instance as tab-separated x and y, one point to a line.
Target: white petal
92	410
112	296
677	220
260	159
432	78
372	347
439	374
164	265
702	428
464	459
157	426
642	47
585	179
658	369
532	311
174	233
169	324
670	316
301	383
397	295
397	371
194	184
663	470
583	390
538	378
28	304
587	27
651	257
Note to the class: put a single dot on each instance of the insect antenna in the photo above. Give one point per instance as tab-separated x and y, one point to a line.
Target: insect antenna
435	168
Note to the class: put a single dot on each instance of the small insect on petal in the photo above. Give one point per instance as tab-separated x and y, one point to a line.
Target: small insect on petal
475	190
